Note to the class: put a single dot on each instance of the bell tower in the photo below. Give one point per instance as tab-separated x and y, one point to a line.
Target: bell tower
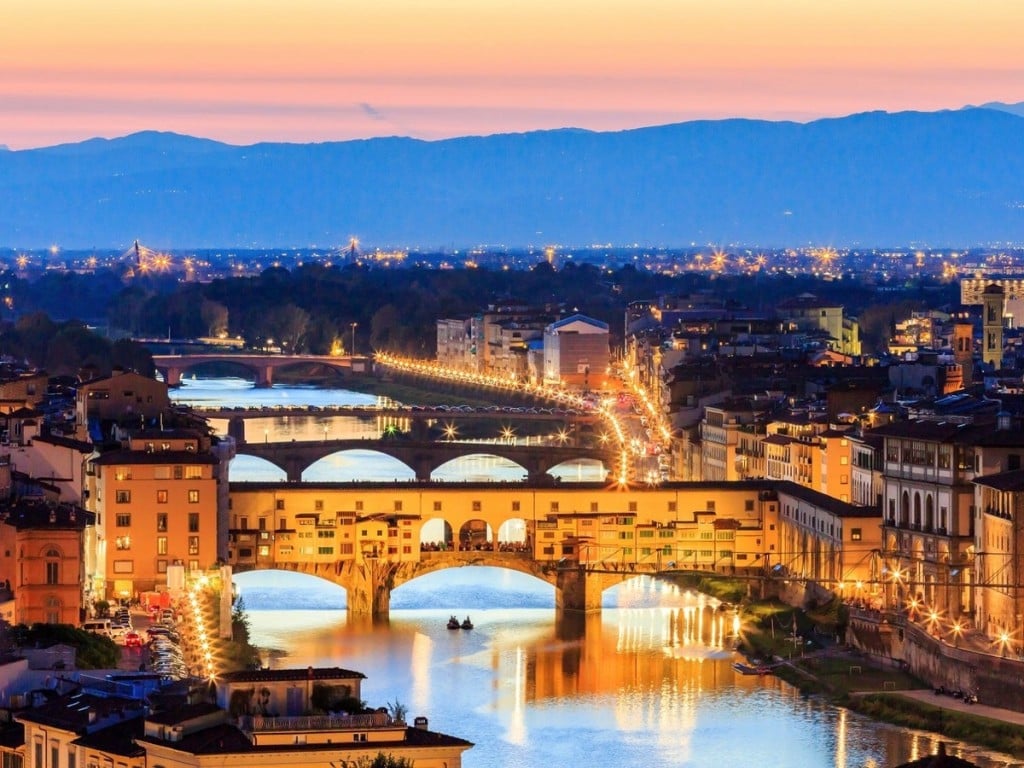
992	300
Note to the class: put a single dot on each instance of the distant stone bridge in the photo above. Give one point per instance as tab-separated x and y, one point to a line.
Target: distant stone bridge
423	457
172	367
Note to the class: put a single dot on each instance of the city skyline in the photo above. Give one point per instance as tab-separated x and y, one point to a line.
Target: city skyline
248	72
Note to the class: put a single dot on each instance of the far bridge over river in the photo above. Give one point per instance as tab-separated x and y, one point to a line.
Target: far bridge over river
423	457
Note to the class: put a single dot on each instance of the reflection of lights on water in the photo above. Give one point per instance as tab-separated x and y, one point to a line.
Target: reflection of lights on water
517	733
422	650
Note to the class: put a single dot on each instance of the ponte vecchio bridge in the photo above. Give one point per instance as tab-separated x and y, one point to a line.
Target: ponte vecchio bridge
581	538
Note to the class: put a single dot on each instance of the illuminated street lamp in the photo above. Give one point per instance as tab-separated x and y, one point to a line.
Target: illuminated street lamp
958	629
1004	642
450	431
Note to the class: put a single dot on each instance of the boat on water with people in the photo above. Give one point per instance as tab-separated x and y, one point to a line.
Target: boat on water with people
454	623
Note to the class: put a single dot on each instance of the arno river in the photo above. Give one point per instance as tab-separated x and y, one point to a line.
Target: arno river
643	683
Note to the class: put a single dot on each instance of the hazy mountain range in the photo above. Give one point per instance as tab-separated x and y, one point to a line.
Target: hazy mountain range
950	178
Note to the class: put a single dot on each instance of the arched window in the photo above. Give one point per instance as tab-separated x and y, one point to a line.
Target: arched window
929	513
917	510
905	509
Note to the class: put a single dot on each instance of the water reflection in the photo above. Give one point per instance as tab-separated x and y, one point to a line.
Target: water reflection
640	684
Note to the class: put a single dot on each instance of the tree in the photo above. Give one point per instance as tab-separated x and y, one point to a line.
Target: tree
384	761
214	316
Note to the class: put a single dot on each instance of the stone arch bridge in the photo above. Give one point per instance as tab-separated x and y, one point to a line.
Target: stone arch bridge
423	457
172	367
369	583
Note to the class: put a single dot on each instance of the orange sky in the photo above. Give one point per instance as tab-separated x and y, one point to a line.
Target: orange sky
316	70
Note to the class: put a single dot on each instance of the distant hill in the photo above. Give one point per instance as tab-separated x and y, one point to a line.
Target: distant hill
951	178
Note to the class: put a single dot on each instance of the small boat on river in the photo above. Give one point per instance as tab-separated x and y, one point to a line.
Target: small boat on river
453	623
467	624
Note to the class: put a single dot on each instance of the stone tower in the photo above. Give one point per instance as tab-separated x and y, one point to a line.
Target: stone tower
963	351
992	325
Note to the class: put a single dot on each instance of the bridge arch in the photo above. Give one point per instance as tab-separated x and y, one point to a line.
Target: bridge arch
483	466
249	468
359	464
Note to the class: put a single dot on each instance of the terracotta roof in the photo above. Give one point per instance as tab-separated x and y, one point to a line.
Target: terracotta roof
1003	481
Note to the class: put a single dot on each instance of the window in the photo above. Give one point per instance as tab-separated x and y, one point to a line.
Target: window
632	506
515	506
855	534
398	506
193	497
193	545
673	506
437	506
123	566
161	545
123	542
161	522
52	573
709	506
161	473
123	520
161	497
359	506
193	472
123	497
279	504
748	505
477	506
263	550
161	566
554	506
318	505
193	522
325	550
193	565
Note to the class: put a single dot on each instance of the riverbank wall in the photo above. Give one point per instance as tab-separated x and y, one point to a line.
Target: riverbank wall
957	663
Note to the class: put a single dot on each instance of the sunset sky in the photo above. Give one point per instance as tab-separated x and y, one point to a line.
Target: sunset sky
244	71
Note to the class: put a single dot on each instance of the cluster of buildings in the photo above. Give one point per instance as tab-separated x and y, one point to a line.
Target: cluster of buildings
927	435
104	489
539	345
66	718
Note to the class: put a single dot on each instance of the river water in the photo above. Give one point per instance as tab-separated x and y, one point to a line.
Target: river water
644	683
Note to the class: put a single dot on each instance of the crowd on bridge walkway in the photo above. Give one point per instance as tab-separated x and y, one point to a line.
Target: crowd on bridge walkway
486	546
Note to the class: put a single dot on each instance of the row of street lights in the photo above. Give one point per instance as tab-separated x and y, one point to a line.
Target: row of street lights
511	383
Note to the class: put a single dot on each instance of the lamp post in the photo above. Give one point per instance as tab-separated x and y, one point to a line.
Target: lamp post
352	353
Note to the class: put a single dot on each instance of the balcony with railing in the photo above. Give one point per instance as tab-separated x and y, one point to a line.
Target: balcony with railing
269	724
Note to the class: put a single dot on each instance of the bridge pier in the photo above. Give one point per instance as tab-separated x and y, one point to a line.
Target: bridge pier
265	377
577	589
369	588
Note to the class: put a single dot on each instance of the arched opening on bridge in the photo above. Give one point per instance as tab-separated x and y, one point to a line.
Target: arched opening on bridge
269	590
436	535
357	465
475	535
307	372
479	468
226	371
679	616
253	469
580	471
476	588
515	535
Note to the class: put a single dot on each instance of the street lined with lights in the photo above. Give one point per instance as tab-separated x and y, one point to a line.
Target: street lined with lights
628	446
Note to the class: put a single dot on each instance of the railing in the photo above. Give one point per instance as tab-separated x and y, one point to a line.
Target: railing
256	723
